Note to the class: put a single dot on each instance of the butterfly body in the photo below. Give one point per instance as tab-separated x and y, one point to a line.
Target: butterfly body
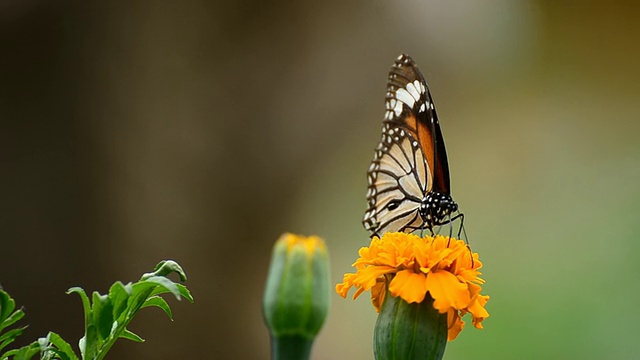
408	180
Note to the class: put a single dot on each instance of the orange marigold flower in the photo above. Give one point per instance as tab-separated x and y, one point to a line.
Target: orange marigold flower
410	267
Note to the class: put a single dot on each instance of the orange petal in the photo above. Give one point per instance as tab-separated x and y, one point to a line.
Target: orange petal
477	310
455	324
447	291
343	289
366	278
377	293
409	286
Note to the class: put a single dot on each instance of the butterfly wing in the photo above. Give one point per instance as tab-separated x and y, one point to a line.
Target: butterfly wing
411	159
409	103
398	179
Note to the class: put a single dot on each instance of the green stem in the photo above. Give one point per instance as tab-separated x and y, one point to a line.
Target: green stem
292	347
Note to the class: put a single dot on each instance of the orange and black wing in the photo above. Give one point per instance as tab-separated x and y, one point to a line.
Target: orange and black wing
409	104
410	160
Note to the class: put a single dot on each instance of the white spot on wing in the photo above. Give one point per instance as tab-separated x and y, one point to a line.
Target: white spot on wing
423	89
398	108
413	91
404	96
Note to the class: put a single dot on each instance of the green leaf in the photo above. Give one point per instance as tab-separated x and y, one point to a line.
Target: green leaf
47	352
119	295
165	283
184	292
86	304
24	353
7	304
141	292
131	336
157	301
12	319
63	347
90	343
10	336
9	317
107	316
82	344
164	268
102	314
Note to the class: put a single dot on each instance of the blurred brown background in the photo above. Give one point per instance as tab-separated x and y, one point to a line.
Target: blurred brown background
200	131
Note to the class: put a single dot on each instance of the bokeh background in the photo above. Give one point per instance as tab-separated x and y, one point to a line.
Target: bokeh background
200	131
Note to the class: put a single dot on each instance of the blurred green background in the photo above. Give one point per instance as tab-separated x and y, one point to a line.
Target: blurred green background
201	131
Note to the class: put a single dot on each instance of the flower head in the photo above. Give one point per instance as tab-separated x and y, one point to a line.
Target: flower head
296	297
410	267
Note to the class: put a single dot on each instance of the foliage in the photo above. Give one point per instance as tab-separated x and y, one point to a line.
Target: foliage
106	317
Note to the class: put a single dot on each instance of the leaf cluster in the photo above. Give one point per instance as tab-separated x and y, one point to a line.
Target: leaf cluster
106	317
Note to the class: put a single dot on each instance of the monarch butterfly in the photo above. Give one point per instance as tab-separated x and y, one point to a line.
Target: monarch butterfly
409	175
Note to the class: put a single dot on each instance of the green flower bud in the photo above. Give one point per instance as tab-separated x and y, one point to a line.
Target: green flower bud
408	331
296	298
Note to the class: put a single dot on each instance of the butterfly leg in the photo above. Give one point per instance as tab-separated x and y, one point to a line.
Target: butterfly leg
461	228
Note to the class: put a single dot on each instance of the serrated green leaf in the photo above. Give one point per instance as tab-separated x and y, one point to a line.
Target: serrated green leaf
129	335
157	301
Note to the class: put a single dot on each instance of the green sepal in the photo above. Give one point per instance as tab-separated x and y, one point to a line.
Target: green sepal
404	331
296	299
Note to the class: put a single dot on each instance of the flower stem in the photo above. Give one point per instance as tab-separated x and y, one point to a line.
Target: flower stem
292	347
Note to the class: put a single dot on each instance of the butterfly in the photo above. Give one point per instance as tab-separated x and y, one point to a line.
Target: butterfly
408	180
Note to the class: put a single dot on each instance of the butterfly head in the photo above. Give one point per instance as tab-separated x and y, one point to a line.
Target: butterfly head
436	206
